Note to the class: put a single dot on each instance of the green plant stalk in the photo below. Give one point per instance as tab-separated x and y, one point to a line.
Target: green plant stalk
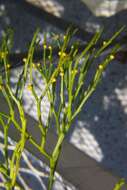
13	173
50	63
70	65
52	107
54	159
119	185
29	137
28	60
44	58
87	48
60	63
4	172
82	76
6	127
62	103
87	94
106	44
55	155
44	132
14	170
14	165
5	169
40	125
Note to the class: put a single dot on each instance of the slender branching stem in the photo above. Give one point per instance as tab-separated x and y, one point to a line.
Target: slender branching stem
64	87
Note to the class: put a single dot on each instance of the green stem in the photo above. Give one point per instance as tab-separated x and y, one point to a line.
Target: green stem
59	142
53	165
54	160
5	127
6	145
39	114
51	176
28	136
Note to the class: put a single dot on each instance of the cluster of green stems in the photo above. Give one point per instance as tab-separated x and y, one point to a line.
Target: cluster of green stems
69	74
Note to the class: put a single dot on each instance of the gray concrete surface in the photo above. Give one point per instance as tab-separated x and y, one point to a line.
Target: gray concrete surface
24	22
101	129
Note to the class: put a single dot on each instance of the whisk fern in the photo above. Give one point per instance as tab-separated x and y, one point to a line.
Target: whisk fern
69	74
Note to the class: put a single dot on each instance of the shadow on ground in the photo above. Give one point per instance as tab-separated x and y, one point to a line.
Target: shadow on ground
101	128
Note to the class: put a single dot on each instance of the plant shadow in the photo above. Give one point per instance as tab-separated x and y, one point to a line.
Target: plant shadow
100	130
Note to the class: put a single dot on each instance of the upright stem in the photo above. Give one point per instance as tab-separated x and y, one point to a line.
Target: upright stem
54	160
6	145
51	176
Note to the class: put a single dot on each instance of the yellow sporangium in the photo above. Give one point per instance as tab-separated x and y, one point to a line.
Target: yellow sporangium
104	43
112	57
44	46
29	87
75	71
101	67
3	54
62	54
1	86
61	74
72	47
50	47
8	66
33	65
49	57
38	64
64	37
24	60
53	80
59	53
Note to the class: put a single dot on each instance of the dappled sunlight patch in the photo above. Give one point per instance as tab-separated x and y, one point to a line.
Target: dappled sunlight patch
50	6
106	102
105	8
122	97
86	142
